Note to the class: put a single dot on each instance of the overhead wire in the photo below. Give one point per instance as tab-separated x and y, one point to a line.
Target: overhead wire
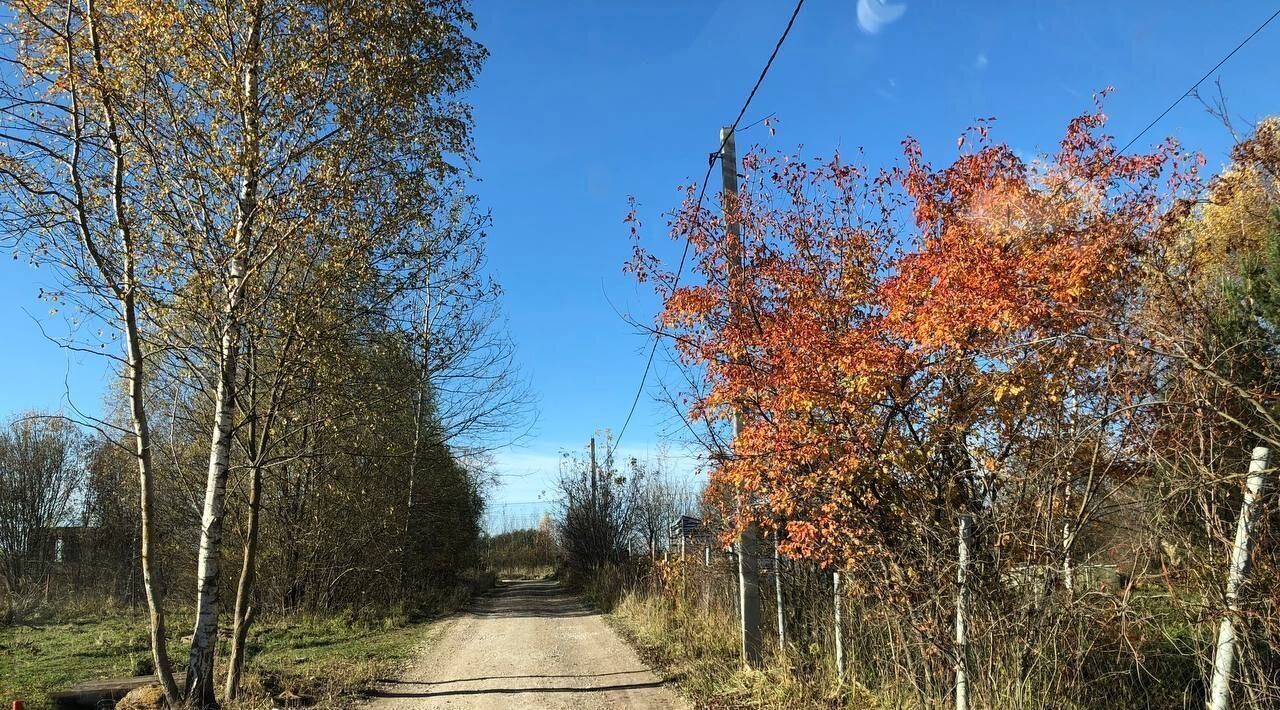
702	192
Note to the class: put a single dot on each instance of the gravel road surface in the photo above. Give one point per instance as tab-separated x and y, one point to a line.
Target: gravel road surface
529	644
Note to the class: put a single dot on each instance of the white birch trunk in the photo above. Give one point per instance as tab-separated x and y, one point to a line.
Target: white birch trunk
126	293
147	504
146	485
1237	575
1068	574
204	639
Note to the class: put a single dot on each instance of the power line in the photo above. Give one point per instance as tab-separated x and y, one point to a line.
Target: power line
1199	81
711	162
758	121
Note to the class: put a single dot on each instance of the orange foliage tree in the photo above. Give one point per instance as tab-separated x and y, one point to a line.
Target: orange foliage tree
909	333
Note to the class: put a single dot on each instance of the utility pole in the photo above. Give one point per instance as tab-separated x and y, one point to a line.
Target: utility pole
593	475
748	541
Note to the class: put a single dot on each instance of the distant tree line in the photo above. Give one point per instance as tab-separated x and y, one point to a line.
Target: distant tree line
530	552
612	512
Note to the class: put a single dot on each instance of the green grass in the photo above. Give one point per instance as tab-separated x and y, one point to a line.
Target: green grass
331	660
46	656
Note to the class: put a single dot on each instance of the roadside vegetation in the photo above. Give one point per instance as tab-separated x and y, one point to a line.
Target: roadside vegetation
1004	432
697	648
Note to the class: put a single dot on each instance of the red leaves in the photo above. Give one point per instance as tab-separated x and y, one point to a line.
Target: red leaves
1004	249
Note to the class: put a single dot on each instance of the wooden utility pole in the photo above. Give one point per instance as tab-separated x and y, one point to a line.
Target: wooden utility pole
748	541
1237	575
593	475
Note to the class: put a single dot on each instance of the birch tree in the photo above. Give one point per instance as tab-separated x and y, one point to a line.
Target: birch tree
227	133
264	120
69	168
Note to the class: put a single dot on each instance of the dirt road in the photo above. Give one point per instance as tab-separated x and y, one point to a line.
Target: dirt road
530	644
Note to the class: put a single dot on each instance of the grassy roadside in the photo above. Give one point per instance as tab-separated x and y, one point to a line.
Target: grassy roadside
697	650
687	630
331	660
46	655
692	640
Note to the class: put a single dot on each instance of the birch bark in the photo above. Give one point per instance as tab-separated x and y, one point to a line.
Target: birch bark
204	638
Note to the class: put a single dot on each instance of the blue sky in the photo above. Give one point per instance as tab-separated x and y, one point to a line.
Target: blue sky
585	103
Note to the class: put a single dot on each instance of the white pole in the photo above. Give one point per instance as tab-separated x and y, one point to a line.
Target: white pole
839	630
1224	655
1068	574
962	612
777	592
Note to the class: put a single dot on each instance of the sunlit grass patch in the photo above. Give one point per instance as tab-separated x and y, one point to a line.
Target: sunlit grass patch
329	660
